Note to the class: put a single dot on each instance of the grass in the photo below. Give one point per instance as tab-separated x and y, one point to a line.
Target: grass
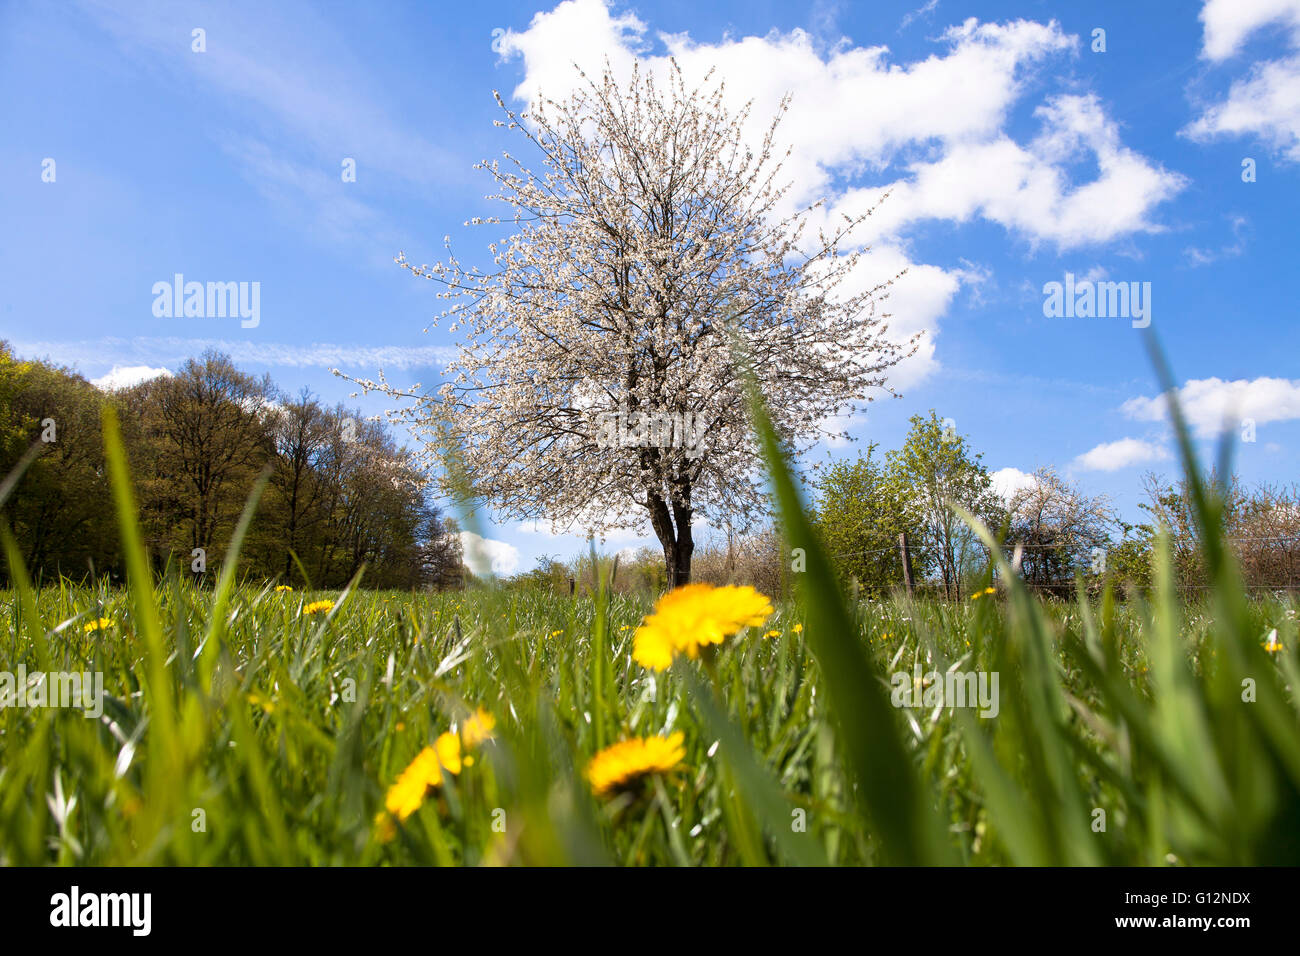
289	761
239	729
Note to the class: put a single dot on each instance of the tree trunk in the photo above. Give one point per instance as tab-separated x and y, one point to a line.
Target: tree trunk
677	541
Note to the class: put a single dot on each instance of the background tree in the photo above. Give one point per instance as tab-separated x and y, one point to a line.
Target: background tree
341	494
441	554
937	469
57	511
302	436
861	509
1059	527
1129	559
652	230
1261	525
202	439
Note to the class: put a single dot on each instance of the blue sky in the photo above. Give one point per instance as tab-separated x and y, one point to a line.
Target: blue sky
1015	151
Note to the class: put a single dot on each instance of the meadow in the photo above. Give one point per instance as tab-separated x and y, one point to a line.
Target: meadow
251	723
289	746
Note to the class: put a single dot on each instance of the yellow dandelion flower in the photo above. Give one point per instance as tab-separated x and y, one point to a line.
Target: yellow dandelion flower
283	587
1271	643
695	616
555	634
772	634
447	748
798	628
385	828
990	590
477	728
425	772
317	606
628	761
407	794
977	595
98	624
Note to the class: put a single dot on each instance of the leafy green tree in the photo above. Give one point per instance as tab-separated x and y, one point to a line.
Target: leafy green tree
936	469
1129	560
59	510
342	494
861	509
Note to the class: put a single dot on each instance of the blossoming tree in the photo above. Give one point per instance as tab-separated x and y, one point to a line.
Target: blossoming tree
599	385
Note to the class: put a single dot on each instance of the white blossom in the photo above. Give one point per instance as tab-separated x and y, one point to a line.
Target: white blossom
650	230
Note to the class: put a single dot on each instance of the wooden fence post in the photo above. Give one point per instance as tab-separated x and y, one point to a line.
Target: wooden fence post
907	561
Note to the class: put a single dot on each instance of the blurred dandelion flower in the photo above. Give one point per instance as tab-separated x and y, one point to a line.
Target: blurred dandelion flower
447	748
98	624
283	587
695	616
407	794
316	607
477	728
618	766
385	828
425	772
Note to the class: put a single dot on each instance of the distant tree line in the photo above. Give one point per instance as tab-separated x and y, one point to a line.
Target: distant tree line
340	492
1057	534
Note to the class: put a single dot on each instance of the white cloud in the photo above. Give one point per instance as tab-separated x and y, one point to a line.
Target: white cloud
1112	456
124	376
172	351
922	11
628	554
1198	256
936	127
956	104
1209	403
538	527
1266	104
484	555
1025	187
1007	481
1266	101
1229	22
